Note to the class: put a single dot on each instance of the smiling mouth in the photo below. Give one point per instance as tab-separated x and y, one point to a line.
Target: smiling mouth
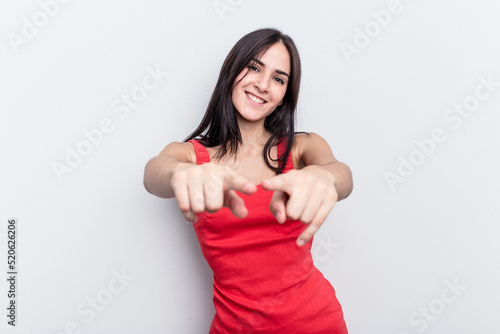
255	98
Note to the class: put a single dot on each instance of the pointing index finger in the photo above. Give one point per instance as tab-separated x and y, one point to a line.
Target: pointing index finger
240	184
275	183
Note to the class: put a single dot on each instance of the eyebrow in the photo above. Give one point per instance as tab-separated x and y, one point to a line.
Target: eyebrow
277	71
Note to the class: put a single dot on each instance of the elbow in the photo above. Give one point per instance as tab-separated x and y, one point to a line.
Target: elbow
154	179
347	184
147	176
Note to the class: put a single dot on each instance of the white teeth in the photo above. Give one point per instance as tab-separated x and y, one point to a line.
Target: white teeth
255	98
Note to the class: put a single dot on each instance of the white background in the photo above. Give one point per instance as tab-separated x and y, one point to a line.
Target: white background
389	252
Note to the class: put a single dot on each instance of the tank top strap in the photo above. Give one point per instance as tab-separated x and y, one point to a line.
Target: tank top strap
281	150
202	155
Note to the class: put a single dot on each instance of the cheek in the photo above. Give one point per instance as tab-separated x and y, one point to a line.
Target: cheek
237	86
234	101
233	97
241	78
281	94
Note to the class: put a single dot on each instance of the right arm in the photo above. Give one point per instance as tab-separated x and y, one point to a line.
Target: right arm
160	169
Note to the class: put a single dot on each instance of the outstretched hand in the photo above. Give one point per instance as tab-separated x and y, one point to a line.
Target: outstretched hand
307	195
208	187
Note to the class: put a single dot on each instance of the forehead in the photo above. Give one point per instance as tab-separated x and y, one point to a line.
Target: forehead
276	57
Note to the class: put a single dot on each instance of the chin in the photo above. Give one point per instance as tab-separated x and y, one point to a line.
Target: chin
252	117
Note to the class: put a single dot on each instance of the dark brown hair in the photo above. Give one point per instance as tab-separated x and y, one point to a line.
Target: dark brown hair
219	125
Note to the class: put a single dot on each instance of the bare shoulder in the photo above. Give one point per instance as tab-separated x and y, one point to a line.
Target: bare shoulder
309	139
181	151
312	149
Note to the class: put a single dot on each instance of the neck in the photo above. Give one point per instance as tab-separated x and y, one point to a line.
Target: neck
253	134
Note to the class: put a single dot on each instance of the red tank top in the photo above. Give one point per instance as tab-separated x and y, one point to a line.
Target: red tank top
264	282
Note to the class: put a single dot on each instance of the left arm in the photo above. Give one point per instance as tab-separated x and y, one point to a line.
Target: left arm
315	154
309	194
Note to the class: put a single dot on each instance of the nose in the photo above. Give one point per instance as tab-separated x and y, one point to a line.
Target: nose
262	83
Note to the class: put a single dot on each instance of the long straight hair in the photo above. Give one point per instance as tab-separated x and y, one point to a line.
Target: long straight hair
219	126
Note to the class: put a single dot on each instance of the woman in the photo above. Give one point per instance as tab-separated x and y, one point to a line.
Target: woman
256	193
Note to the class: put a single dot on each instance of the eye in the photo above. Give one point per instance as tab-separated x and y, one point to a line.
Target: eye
279	80
252	67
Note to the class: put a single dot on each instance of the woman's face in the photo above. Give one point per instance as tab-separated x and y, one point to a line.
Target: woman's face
262	90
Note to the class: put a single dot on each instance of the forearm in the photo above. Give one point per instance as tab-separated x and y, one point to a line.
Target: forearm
158	174
339	174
